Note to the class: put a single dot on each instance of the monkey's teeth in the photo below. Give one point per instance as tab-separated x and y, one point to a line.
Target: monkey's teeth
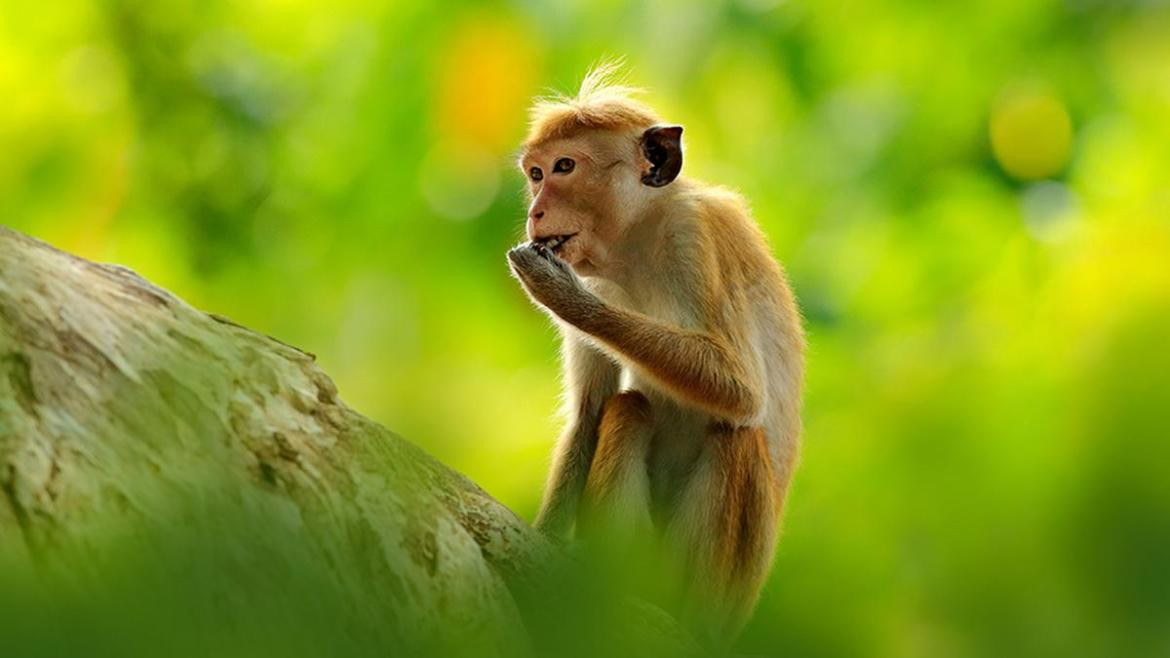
553	243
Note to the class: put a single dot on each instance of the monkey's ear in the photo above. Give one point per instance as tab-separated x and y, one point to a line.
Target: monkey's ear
662	147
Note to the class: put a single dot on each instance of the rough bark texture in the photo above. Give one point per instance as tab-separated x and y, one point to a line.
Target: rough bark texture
124	408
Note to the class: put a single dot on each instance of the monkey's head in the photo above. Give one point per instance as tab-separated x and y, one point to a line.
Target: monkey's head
595	163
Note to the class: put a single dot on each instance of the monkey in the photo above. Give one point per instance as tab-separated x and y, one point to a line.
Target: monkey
682	346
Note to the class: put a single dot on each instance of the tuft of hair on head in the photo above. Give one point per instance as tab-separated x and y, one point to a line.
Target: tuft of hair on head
603	102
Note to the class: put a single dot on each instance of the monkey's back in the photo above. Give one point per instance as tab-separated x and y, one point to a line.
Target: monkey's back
752	282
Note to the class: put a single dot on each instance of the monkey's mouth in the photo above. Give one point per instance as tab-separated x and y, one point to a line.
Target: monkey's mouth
554	243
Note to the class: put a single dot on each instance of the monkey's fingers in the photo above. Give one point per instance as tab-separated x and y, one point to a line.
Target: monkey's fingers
523	257
525	265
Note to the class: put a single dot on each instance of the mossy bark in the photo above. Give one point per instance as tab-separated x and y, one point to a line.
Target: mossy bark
127	417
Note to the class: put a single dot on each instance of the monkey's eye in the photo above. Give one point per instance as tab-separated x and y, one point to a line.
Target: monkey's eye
564	165
536	174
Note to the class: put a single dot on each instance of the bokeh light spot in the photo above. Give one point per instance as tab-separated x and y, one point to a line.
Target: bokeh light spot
1031	134
459	180
486	75
1050	210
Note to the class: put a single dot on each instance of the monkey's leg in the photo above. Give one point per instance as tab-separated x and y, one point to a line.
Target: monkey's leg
590	379
723	531
617	492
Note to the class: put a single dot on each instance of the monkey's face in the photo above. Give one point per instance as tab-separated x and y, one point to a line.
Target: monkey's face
587	189
572	186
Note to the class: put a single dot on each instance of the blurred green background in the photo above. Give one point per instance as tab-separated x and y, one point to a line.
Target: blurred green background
972	199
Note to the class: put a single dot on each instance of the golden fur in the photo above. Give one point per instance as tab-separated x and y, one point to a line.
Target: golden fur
601	104
683	351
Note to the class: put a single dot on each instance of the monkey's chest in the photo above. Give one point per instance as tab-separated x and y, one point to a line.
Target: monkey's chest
676	442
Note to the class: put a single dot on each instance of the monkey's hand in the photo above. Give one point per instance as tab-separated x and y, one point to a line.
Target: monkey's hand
550	281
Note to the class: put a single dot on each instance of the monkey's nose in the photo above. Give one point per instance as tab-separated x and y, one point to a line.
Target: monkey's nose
538	214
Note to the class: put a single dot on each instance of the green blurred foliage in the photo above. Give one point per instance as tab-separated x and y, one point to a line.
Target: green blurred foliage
973	202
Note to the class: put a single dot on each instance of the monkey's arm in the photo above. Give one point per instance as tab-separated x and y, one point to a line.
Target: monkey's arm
696	366
590	379
700	367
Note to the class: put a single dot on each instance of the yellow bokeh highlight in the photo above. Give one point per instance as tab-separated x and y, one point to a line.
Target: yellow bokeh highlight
1031	134
486	75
